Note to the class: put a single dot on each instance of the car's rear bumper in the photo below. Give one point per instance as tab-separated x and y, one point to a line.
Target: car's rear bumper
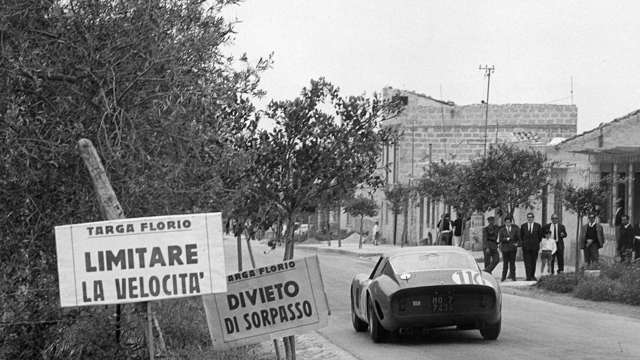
469	320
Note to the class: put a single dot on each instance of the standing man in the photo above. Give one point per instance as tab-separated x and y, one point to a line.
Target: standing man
627	234
509	239
591	240
490	245
375	233
458	227
530	236
558	233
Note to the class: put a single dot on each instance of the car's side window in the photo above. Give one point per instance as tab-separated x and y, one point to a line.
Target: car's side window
376	269
388	270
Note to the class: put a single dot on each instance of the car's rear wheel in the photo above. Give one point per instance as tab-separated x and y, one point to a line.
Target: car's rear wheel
376	331
491	332
358	324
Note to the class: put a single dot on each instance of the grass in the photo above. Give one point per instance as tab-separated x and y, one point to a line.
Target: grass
186	334
616	282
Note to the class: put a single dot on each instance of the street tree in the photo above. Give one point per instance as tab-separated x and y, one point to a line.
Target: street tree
448	182
399	195
361	206
148	83
311	153
507	178
582	201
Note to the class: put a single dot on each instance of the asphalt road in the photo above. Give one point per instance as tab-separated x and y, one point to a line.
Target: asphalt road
531	329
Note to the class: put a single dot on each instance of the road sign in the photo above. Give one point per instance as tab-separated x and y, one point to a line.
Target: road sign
268	302
141	259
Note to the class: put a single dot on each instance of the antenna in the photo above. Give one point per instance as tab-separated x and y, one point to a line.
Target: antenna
572	90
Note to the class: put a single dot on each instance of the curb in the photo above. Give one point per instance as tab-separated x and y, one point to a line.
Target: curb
337	250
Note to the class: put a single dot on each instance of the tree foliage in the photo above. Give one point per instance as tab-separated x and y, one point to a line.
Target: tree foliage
448	181
312	155
361	206
508	177
584	200
146	82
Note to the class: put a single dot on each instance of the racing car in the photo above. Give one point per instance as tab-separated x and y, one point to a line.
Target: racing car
426	287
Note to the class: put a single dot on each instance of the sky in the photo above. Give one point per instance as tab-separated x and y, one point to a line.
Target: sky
435	48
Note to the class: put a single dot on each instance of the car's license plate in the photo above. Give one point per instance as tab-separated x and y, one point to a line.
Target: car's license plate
416	302
442	303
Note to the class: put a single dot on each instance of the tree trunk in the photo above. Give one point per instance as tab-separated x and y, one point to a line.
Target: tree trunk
289	341
239	245
405	224
578	226
361	221
395	227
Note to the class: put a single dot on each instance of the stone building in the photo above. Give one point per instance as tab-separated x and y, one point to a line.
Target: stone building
433	129
609	150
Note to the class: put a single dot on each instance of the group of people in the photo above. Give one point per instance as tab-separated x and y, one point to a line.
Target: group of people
536	239
450	232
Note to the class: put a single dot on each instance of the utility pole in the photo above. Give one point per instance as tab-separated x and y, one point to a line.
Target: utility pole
487	72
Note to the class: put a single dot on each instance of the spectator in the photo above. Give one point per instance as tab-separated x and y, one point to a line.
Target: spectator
490	245
446	230
530	235
547	249
508	241
591	240
558	233
458	227
375	233
627	234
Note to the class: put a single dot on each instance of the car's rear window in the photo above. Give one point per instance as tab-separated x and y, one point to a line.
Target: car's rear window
432	261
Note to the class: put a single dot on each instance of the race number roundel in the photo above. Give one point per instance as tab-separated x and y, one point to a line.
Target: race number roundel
468	277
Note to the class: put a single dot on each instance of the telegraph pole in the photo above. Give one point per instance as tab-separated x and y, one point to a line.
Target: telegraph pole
487	72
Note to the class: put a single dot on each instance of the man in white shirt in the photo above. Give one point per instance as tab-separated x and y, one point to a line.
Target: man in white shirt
558	233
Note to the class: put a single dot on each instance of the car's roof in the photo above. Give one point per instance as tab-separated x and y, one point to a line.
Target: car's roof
424	249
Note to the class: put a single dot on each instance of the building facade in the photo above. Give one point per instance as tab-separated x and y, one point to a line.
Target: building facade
610	151
434	130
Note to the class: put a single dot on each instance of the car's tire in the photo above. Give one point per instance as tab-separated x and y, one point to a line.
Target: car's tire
358	324
376	331
491	332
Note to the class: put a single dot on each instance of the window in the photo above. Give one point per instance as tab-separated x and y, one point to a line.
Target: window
377	269
605	210
388	270
557	202
432	261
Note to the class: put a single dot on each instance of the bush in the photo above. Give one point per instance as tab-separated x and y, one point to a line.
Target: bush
600	289
613	271
562	283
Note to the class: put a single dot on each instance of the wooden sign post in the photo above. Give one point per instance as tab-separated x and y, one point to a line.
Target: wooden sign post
111	210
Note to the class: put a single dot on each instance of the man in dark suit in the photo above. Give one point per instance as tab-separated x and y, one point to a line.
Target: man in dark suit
591	240
558	233
490	245
508	240
625	239
530	237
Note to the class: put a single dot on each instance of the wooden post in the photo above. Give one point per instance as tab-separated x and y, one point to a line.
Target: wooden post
239	245
111	210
